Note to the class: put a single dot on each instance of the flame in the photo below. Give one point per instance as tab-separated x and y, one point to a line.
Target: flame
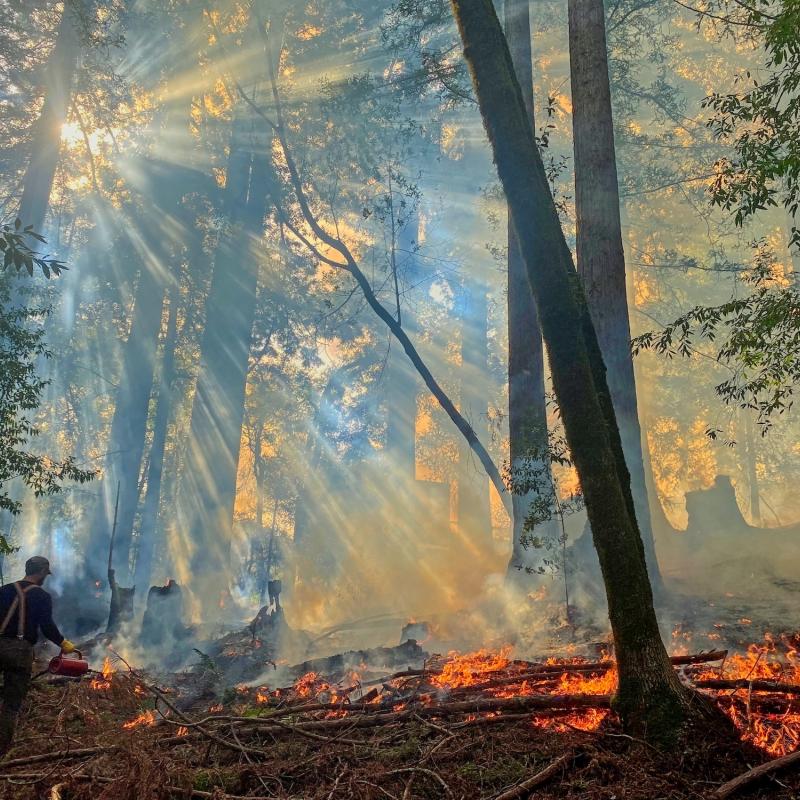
182	731
104	681
775	731
588	720
145	718
467	670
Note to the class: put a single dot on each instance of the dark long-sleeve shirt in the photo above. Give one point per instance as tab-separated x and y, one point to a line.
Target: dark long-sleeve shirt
38	613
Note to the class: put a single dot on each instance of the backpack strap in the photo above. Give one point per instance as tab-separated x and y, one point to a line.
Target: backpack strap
19	602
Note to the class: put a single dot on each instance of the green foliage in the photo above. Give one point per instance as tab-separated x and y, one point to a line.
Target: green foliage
533	475
762	121
758	335
18	253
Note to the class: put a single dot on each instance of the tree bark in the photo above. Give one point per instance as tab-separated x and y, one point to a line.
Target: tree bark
650	698
46	145
208	489
527	410
600	254
474	516
402	383
148	523
129	422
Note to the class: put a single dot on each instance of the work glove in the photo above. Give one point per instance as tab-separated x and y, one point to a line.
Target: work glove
67	646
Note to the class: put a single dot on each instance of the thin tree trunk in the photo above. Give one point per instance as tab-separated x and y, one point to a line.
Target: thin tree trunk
527	411
402	381
752	469
46	145
650	699
152	499
474	518
600	254
129	422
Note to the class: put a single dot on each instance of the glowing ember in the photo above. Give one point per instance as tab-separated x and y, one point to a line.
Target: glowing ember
145	718
312	685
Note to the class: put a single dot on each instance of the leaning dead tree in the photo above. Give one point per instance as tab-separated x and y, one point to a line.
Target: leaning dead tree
650	698
315	236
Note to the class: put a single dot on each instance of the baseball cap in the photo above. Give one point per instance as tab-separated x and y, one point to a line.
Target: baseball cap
36	565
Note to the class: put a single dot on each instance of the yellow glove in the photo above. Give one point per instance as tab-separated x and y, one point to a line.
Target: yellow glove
67	646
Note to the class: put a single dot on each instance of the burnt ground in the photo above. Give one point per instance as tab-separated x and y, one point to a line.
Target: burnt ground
466	756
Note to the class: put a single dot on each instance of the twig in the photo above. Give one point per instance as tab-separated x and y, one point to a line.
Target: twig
538	779
732	786
429	772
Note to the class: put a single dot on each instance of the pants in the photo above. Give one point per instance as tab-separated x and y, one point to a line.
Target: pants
16	663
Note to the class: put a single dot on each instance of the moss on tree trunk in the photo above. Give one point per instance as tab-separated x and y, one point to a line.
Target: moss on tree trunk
651	701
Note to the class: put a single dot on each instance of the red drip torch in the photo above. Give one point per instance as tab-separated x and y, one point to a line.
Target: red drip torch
69	667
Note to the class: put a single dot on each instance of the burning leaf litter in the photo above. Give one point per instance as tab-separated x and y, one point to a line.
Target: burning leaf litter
497	709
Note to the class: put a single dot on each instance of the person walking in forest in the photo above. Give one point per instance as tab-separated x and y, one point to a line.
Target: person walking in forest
25	609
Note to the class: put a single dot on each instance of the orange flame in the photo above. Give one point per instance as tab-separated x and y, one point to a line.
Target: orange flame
103	682
471	668
145	718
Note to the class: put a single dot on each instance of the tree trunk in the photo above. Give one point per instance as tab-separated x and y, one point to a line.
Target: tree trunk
129	422
402	381
474	518
752	468
46	144
650	698
209	475
527	412
150	509
600	254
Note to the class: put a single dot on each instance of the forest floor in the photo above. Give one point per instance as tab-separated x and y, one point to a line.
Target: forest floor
498	731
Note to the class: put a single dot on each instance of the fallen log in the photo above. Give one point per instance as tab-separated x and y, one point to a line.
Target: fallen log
754	685
532	668
531	703
727	789
408	652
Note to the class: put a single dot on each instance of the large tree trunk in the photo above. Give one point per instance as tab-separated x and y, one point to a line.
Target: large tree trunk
148	523
527	411
600	254
650	698
46	144
209	474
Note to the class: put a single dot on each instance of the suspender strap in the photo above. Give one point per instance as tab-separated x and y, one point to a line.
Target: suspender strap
19	602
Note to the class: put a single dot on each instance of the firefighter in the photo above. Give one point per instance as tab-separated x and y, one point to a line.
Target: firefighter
25	609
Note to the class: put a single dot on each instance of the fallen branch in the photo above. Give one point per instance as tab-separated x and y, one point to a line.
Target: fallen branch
60	755
215	795
727	789
538	779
